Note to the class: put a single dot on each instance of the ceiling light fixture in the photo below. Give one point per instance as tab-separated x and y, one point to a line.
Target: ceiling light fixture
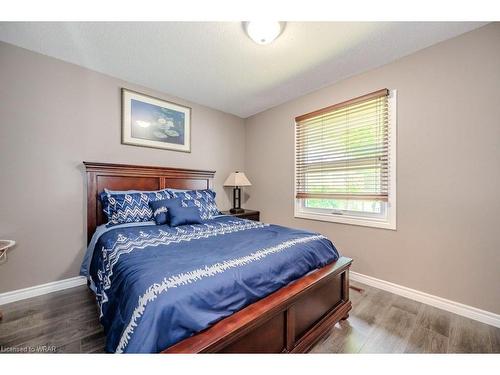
263	32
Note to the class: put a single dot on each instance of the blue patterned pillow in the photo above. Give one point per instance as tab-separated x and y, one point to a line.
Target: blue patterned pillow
121	208
204	200
161	208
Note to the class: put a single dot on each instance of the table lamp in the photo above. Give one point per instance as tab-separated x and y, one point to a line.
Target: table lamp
237	179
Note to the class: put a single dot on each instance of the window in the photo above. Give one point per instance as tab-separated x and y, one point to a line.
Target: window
345	162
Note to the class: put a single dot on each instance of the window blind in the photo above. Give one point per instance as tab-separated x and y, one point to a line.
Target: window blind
342	151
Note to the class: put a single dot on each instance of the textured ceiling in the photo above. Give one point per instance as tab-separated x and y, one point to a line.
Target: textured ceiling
216	64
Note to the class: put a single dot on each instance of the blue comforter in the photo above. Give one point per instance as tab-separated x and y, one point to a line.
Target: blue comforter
157	285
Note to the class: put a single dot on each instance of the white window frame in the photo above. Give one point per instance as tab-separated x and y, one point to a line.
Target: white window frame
350	217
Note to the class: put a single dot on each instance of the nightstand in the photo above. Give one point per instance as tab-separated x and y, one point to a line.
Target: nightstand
247	214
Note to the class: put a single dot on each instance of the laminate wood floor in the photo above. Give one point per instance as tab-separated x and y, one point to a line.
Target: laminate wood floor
380	322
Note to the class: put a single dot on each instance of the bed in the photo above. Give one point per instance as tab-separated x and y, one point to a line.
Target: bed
201	288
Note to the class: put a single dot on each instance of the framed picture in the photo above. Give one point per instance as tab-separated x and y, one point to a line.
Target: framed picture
152	122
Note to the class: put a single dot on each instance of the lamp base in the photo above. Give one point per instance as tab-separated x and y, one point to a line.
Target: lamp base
236	210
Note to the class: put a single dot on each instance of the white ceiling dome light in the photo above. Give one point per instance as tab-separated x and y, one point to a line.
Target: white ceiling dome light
263	32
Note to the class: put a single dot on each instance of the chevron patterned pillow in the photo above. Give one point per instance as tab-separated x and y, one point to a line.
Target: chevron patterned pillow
204	200
121	208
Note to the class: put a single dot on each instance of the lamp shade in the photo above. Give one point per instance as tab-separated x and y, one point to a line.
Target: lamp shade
237	179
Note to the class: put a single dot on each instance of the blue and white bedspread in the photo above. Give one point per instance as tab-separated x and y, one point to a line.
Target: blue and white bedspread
157	285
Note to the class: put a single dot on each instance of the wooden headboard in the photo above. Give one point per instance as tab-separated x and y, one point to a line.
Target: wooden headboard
135	177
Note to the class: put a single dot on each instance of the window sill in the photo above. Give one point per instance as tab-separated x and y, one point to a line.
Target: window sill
344	219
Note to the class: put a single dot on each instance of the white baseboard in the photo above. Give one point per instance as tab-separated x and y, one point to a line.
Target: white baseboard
441	303
38	290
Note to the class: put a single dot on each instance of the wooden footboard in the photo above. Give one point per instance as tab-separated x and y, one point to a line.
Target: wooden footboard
291	320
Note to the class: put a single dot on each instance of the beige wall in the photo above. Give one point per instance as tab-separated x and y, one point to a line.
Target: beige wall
54	115
447	241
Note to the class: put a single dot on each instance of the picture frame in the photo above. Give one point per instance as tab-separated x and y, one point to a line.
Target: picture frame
153	122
